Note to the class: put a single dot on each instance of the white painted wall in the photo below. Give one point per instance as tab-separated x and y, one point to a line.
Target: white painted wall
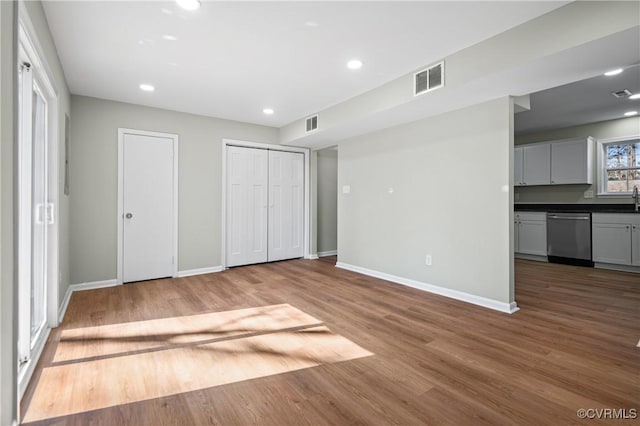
449	174
525	59
569	194
94	143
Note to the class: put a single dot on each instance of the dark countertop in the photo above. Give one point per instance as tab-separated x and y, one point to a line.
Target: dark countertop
592	208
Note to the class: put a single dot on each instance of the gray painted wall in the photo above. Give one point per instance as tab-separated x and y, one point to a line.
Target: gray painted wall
569	194
8	335
450	176
313	202
327	200
94	173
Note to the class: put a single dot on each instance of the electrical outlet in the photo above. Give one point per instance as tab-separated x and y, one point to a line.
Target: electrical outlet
427	260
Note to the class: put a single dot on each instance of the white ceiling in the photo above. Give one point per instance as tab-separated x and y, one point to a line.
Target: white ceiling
581	102
232	59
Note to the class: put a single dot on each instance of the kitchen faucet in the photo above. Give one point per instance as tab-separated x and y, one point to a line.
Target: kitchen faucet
636	198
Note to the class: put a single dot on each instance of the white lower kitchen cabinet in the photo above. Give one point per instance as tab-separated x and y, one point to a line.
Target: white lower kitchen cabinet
635	244
611	243
616	240
530	230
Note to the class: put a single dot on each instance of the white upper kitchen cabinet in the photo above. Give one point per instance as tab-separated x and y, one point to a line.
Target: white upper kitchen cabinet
572	161
536	164
561	162
517	165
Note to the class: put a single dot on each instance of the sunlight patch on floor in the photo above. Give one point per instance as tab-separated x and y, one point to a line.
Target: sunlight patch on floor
89	342
84	385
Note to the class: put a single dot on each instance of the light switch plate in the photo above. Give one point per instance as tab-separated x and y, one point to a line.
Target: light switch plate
346	189
588	193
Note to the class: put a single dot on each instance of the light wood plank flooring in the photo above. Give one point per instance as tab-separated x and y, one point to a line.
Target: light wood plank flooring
436	361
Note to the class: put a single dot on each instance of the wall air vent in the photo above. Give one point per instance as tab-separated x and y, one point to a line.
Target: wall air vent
428	79
312	123
624	93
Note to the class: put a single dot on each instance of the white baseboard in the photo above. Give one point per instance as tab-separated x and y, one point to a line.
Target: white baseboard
442	291
612	267
79	287
312	257
199	271
93	285
327	253
535	257
64	305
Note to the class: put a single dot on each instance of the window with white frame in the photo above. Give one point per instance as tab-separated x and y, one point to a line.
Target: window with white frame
619	166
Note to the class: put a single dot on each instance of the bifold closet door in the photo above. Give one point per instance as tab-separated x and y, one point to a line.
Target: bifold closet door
286	205
247	180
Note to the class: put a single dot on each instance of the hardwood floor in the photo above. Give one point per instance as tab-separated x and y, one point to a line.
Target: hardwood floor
436	360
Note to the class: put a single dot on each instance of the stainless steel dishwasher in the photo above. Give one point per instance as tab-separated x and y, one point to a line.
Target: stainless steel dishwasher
569	238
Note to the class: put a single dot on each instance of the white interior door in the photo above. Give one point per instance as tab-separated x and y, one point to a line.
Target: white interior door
246	215
286	202
148	210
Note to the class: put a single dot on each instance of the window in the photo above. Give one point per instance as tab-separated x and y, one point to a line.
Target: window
619	166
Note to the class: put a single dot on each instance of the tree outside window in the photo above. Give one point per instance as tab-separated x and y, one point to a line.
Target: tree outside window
622	171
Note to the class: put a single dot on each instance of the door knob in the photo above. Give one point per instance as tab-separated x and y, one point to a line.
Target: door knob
128	215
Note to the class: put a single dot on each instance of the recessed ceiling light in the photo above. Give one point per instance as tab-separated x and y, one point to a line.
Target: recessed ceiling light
636	96
613	72
630	113
268	111
354	64
189	4
147	87
169	37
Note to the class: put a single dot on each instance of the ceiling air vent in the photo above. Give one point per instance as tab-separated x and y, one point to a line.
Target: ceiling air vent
625	93
312	123
429	79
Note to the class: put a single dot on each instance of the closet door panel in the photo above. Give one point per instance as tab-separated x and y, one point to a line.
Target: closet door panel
247	191
286	201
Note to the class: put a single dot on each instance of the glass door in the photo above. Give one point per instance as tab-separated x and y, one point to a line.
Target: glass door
34	212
